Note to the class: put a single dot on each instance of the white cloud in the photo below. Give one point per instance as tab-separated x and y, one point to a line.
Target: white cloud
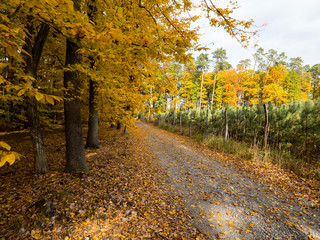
292	27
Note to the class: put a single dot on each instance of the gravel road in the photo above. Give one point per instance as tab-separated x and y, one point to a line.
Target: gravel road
224	202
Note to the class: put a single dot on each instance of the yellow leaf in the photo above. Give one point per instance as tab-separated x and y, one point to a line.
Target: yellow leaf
231	224
10	158
5	145
39	96
2	162
49	99
17	155
56	98
220	225
21	92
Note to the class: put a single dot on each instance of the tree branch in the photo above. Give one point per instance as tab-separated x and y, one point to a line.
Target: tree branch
141	6
169	20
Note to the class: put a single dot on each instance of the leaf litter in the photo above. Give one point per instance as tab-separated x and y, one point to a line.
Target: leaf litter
123	196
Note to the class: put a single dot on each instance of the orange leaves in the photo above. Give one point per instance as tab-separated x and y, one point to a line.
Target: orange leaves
273	90
229	85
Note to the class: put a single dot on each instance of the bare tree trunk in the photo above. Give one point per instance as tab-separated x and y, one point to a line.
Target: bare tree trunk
213	89
167	103
39	151
76	160
201	88
32	62
174	116
180	121
190	124
226	125
206	126
93	124
266	126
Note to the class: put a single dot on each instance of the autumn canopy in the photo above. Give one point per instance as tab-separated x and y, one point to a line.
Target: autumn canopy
104	55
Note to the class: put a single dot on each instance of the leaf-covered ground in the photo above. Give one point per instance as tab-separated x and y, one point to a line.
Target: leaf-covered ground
230	198
123	196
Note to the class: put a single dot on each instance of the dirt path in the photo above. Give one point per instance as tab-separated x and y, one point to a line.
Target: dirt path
224	202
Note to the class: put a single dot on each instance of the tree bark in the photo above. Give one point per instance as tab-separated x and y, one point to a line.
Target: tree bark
76	160
226	125
213	90
190	124
206	126
174	116
201	88
180	121
32	62
119	125
93	124
266	126
39	151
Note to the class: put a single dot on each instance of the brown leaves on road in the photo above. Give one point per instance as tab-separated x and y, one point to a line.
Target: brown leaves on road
121	197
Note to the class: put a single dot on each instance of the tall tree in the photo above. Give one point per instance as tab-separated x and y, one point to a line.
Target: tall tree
315	74
296	64
245	63
75	155
93	123
220	56
202	65
34	50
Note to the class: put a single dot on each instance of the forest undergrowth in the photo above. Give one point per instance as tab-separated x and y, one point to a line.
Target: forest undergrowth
121	197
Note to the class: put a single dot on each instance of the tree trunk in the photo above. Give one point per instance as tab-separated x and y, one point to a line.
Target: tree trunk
206	126
93	124
190	124
32	62
226	125
76	160
119	125
266	126
201	88
39	151
174	116
213	89
167	103
180	121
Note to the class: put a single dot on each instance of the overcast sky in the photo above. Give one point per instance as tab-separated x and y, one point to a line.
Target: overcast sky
293	27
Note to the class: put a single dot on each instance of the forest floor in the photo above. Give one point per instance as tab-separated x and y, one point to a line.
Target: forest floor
122	196
152	184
